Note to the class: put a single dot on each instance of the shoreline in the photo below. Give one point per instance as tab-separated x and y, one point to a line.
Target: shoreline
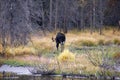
25	71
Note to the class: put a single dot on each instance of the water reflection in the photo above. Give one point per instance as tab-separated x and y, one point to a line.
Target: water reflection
43	78
46	78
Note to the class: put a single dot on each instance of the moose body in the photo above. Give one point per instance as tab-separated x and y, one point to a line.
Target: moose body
60	39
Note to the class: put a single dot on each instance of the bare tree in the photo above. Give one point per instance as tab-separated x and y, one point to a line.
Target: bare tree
82	4
101	16
14	17
51	1
65	17
56	15
43	17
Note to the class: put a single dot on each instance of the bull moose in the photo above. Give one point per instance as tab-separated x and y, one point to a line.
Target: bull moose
60	39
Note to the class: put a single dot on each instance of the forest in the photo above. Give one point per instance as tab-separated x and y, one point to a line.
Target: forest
90	40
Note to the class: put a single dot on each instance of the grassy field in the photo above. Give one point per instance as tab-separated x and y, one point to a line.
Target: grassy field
42	51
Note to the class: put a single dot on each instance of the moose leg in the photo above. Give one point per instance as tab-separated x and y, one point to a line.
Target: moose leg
57	45
62	46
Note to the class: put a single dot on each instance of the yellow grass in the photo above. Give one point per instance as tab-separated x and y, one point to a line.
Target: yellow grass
66	56
80	65
107	37
44	44
82	60
68	60
21	50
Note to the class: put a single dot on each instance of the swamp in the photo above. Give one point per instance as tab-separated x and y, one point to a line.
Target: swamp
59	40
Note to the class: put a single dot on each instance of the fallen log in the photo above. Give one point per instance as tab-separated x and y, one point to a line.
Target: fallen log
42	72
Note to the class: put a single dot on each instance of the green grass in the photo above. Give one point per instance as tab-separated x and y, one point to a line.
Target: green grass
13	62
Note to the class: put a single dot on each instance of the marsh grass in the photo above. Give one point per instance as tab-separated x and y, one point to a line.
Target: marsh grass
43	44
85	38
80	64
88	43
101	42
43	51
116	41
19	51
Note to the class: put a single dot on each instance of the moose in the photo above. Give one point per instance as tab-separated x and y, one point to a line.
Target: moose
60	39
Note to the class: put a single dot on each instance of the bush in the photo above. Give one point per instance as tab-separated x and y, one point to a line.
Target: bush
88	43
66	56
116	55
116	41
108	42
101	42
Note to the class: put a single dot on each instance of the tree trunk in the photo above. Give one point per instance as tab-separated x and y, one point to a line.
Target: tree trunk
101	17
56	16
65	17
51	1
43	18
82	19
91	22
94	15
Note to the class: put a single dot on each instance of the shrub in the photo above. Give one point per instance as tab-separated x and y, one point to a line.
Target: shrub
116	55
108	42
116	41
66	56
101	42
88	43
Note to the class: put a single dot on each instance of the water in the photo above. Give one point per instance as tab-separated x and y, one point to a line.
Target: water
46	78
24	74
18	70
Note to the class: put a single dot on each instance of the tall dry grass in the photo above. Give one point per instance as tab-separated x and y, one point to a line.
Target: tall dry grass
85	38
44	44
